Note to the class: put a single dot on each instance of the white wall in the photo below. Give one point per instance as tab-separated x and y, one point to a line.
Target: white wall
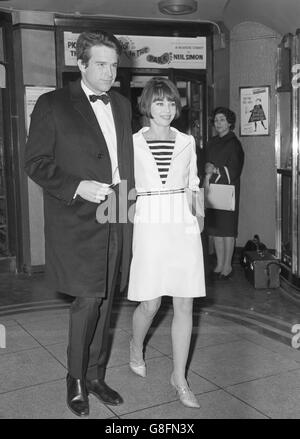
252	63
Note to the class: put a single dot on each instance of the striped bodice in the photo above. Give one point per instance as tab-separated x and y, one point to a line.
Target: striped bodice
162	151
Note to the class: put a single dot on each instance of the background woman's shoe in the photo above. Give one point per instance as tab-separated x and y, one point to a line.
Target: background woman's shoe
226	276
137	365
185	394
215	275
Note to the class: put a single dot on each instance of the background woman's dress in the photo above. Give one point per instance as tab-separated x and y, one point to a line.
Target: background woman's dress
225	153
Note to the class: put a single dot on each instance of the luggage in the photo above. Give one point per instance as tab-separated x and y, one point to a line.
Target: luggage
254	244
262	269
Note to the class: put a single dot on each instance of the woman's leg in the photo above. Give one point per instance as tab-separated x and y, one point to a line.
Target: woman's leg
141	322
228	253
181	331
220	253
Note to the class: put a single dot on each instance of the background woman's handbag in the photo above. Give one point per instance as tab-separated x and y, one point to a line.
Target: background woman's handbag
220	196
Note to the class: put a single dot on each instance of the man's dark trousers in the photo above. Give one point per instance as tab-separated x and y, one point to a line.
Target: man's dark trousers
90	321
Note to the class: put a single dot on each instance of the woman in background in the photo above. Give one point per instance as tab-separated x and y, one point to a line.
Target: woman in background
224	164
167	248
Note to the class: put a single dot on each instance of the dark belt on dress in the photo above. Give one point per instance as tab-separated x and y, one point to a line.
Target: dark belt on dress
165	192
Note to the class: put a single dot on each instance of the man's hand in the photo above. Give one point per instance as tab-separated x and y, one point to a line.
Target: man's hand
93	191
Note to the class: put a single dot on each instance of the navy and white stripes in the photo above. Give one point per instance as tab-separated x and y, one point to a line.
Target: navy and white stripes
162	151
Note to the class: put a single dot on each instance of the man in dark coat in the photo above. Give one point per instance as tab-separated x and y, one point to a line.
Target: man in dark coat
79	147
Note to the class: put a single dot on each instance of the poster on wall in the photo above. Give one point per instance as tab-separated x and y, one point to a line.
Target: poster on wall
32	93
255	111
150	52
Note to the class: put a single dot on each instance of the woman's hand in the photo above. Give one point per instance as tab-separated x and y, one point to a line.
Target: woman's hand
200	220
209	168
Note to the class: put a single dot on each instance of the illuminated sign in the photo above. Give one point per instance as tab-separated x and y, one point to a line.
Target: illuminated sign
150	52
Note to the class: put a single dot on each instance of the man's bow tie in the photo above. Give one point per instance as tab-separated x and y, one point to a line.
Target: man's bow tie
104	98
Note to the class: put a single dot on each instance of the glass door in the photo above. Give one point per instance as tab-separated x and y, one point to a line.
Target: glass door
287	147
10	211
4	242
192	89
191	86
284	157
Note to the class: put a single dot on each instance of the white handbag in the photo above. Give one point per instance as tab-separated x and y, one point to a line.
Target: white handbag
220	196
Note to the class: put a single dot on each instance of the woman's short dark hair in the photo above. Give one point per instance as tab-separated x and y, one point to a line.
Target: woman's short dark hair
87	40
230	116
155	90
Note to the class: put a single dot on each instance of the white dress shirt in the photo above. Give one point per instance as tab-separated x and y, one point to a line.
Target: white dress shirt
106	122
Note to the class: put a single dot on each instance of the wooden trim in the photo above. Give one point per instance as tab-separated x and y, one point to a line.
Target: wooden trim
18	140
138	26
32	269
8	264
290	287
11	140
45	27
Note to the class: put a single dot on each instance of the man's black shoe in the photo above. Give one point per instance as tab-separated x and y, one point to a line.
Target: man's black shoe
77	397
103	392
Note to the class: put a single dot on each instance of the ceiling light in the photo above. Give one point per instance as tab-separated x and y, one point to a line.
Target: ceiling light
177	7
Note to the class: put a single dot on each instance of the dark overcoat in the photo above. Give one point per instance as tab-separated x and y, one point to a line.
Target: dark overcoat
64	147
227	154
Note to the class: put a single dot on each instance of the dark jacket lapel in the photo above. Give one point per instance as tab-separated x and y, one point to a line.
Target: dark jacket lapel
118	119
82	105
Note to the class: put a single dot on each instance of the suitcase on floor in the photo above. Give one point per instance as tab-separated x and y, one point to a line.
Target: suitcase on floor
262	269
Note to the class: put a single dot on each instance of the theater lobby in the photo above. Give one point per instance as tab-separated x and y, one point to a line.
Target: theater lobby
244	360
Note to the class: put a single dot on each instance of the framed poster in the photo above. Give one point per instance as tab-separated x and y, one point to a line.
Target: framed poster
32	93
255	111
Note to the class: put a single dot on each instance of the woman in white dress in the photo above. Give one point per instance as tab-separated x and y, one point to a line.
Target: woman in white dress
167	249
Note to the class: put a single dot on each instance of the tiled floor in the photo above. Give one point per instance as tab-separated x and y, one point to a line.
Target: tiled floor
241	366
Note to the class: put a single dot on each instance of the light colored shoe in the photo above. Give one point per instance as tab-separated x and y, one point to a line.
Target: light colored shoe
137	366
185	394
